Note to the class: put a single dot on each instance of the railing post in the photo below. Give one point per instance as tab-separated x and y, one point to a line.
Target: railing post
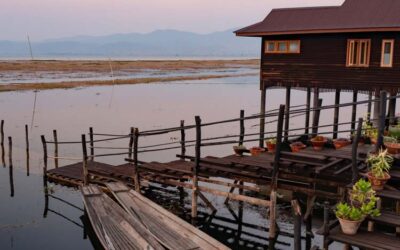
44	155
354	152
287	113
262	114
55	148
308	107
131	136
317	114
196	166
2	143
183	140
242	129
85	162
135	159
382	118
336	114
369	110
278	146
354	110
392	109
91	143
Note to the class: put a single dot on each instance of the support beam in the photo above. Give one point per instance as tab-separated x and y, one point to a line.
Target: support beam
308	106
91	144
278	147
196	167
354	111
382	118
369	110
392	109
376	115
287	114
317	114
183	140
131	138
262	114
44	155
136	178
84	162
336	114
55	148
242	129
315	107
354	152
297	225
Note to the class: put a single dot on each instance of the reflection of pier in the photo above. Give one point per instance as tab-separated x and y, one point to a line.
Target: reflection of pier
316	174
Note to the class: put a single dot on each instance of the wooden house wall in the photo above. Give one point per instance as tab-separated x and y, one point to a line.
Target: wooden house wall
322	63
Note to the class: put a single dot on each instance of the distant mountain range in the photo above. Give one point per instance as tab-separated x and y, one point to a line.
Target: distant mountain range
160	43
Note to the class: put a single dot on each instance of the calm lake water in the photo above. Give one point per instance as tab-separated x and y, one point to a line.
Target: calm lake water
28	221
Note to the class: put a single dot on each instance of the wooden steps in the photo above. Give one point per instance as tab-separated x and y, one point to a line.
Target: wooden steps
389	194
368	240
387	218
171	231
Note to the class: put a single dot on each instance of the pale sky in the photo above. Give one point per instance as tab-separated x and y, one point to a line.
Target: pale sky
44	19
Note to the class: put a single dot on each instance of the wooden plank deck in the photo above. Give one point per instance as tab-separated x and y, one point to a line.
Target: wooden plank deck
173	232
115	229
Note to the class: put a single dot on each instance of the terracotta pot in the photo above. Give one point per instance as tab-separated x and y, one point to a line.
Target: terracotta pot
349	227
340	143
374	141
297	146
256	151
393	148
271	147
318	145
239	150
378	183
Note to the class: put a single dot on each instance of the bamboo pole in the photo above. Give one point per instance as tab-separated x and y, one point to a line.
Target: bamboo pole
336	114
196	166
85	162
183	140
287	113
308	106
44	155
55	148
242	128
27	149
135	159
91	143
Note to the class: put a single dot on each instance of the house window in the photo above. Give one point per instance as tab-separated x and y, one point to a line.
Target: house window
358	52
387	53
282	47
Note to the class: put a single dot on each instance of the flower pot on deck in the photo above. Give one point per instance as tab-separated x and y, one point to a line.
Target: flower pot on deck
349	227
318	142
341	142
256	151
297	146
271	147
239	150
393	148
378	183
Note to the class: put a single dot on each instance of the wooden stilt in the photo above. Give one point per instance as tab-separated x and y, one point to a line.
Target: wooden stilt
297	225
27	149
136	178
130	146
278	146
392	109
369	109
196	166
85	176
382	118
10	151
308	106
91	143
262	114
336	114
2	143
377	109
317	114
287	114
272	215
354	152
55	148
11	172
235	182
354	111
326	225
44	155
183	140
242	129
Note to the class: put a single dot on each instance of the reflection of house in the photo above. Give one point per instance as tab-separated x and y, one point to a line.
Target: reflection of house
355	46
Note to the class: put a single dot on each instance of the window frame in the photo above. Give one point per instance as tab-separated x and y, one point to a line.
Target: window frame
384	41
350	53
276	47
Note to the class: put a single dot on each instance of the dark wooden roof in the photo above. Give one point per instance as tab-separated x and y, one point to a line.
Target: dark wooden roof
352	16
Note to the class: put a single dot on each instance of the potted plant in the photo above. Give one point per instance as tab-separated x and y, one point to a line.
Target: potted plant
361	193
392	145
256	151
341	142
239	150
394	131
271	145
379	166
297	146
318	142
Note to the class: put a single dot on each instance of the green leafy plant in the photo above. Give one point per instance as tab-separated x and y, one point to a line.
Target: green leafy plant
380	164
347	212
271	141
319	138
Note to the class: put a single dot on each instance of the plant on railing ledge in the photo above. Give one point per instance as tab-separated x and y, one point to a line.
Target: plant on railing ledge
379	166
271	145
318	142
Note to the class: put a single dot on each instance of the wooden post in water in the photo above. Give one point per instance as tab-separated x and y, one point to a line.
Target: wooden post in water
336	114
91	143
297	224
2	143
85	162
382	118
308	106
135	159
44	155
354	152
287	114
354	111
242	129
183	140
369	110
317	114
11	166
196	166
55	148
131	137
262	114
27	148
